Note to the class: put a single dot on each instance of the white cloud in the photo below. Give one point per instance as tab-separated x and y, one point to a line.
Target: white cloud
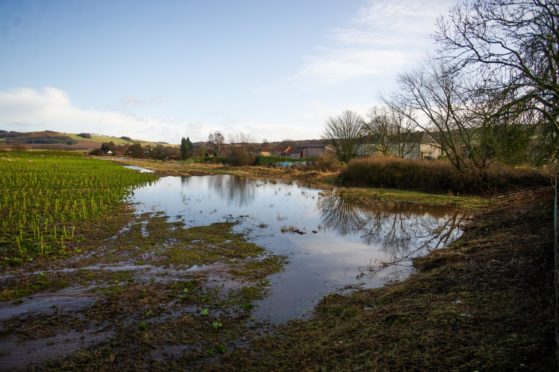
27	109
339	65
403	16
384	38
50	108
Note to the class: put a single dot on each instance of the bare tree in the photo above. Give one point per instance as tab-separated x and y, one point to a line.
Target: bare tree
379	128
344	133
513	45
216	139
458	111
243	149
391	130
432	93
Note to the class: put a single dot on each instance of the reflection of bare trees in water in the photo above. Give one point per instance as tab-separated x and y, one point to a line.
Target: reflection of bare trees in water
236	190
403	231
340	215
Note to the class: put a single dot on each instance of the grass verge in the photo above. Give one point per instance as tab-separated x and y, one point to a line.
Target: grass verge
368	195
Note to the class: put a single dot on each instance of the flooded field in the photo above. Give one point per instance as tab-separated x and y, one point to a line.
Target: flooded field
204	265
331	243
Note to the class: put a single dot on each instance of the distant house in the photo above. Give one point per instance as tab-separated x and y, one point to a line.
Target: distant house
417	145
313	151
367	149
307	151
270	150
429	148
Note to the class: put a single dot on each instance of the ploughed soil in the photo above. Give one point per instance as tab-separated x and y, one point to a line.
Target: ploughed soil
146	293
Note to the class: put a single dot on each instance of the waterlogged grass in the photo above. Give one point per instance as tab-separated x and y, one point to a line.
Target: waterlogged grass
363	195
207	244
45	199
195	315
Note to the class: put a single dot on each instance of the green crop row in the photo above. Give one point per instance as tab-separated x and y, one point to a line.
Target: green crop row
44	199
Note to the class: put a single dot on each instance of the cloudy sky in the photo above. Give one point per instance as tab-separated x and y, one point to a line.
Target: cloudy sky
161	70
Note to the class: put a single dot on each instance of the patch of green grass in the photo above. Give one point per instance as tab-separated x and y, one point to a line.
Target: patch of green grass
415	197
101	139
209	244
260	268
49	282
32	284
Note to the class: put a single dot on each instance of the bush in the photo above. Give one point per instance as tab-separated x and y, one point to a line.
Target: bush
97	152
240	156
135	151
84	135
437	176
327	162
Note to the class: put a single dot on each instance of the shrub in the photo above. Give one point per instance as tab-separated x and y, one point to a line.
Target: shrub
240	155
437	176
84	135
135	151
327	162
97	152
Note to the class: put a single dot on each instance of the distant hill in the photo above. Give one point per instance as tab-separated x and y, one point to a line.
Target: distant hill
50	140
62	141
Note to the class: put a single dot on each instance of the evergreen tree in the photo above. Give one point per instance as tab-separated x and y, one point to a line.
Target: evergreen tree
189	147
183	153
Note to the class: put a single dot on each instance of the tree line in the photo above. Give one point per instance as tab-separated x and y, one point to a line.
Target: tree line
488	93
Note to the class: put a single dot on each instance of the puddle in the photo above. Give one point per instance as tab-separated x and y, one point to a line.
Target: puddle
144	272
17	354
46	303
166	352
331	243
139	169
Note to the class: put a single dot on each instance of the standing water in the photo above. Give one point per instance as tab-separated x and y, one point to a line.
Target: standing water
331	243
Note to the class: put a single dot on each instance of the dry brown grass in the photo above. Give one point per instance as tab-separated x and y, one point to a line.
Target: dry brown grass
438	176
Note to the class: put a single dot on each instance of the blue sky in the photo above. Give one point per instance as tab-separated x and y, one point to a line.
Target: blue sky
165	69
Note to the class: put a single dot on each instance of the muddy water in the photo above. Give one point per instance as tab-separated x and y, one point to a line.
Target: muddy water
331	243
139	169
15	354
66	300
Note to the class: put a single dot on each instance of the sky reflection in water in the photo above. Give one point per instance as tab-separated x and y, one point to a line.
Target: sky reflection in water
340	241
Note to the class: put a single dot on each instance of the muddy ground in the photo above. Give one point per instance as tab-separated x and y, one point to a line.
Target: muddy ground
148	294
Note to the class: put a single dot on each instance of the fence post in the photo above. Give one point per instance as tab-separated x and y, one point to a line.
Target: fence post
556	266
